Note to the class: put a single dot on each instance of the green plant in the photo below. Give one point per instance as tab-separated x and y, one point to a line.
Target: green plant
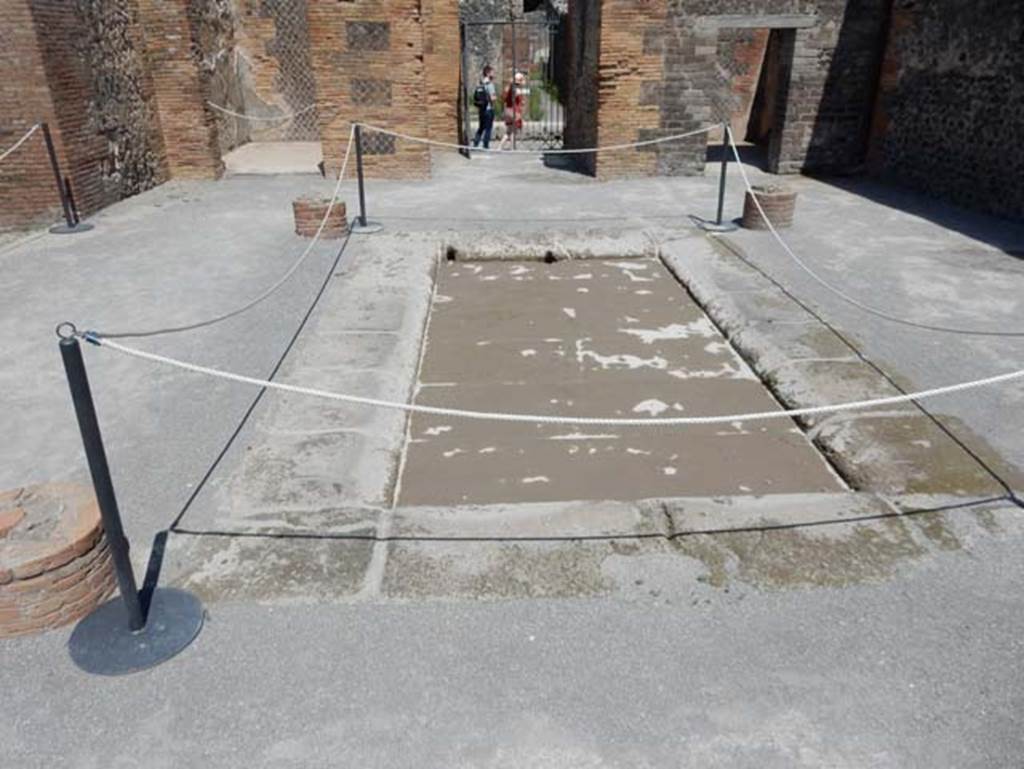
535	108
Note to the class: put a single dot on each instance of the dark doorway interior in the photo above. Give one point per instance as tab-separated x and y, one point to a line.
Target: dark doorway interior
765	108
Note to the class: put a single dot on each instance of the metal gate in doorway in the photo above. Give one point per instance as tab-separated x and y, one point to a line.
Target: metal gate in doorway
511	46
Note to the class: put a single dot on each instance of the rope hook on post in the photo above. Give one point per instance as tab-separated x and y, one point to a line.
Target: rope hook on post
121	636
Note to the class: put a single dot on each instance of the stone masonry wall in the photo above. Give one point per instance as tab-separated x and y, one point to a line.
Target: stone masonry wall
122	107
659	74
951	103
583	38
78	65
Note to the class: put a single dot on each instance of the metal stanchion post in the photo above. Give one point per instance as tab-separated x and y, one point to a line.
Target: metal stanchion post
726	135
120	636
719	225
361	224
71	223
359	173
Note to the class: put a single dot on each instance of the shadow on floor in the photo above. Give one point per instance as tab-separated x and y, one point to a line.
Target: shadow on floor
1004	234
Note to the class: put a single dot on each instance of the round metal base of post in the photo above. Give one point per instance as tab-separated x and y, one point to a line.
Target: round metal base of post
103	644
716	227
365	229
64	229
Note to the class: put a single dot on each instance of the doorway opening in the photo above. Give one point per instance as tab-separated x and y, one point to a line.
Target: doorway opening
754	64
261	86
528	44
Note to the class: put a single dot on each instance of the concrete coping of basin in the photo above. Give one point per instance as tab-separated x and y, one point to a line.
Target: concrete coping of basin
550	246
608	519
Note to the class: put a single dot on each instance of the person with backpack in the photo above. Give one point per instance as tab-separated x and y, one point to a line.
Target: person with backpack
483	99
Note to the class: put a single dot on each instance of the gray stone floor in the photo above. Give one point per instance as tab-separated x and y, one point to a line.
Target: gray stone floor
814	630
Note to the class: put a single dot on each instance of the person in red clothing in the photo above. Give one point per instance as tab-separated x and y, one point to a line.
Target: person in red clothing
513	99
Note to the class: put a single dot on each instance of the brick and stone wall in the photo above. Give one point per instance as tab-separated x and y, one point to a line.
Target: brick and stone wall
659	72
267	65
188	125
118	84
950	107
741	53
27	190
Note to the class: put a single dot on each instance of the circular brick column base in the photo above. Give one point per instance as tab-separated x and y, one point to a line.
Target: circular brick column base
309	212
779	204
55	566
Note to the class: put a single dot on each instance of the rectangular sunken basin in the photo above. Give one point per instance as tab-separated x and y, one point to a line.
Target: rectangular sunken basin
615	338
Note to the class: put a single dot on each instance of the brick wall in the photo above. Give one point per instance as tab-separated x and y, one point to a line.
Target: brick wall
951	103
740	55
26	183
442	59
80	67
188	126
271	60
630	84
368	60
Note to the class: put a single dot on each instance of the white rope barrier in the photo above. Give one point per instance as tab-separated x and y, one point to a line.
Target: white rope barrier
18	143
280	282
268	119
838	291
572	151
494	416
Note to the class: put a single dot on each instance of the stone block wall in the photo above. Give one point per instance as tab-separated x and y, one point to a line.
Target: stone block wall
950	104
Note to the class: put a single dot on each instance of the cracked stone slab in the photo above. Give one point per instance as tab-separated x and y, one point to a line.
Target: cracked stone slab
690	515
901	453
845	553
219	569
515	570
536	520
779	343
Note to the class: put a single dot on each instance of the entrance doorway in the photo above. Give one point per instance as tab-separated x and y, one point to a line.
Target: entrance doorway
509	46
754	60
